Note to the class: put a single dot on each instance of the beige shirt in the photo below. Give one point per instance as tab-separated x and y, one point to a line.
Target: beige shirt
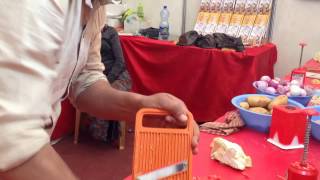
40	60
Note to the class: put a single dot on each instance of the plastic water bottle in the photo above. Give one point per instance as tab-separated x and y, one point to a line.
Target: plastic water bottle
164	24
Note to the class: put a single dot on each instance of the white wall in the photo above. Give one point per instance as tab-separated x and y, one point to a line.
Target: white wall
192	12
295	20
152	10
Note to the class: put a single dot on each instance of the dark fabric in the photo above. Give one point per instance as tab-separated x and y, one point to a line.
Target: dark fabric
228	124
205	79
151	32
207	41
103	130
225	41
111	54
188	39
215	40
112	58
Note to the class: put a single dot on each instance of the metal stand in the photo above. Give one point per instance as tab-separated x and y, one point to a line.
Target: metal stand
271	22
184	16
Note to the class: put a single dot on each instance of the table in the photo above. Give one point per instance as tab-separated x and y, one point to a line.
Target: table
205	79
269	162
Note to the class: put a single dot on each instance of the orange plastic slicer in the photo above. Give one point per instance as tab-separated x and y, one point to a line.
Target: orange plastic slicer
156	148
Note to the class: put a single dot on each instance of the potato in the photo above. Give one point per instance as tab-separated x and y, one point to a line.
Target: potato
259	110
258	101
279	100
244	105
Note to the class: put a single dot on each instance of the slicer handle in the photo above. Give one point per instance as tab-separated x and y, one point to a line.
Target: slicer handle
158	112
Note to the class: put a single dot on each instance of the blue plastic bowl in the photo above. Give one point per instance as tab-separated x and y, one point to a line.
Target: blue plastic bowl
304	100
315	123
259	122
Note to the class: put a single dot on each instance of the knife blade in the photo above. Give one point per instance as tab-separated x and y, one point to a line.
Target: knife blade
165	171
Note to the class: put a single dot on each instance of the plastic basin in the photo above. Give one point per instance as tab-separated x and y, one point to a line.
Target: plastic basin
259	122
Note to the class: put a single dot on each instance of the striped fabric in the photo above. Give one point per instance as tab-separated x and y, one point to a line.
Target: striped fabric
229	123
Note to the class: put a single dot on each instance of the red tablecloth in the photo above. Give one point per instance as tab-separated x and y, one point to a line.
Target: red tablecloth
205	79
66	121
269	162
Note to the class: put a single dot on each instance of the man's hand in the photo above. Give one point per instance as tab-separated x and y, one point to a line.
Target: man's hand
178	110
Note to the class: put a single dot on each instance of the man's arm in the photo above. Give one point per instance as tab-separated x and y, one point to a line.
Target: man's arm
101	100
92	93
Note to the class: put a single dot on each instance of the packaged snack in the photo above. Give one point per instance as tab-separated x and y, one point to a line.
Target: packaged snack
216	5
224	21
204	5
203	16
259	29
236	19
202	22
212	23
239	7
264	7
225	17
246	27
235	24
228	6
251	6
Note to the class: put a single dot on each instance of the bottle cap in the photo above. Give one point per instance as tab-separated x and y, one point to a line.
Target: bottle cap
165	6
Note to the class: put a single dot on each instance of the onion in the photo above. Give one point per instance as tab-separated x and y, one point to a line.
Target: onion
286	88
261	85
283	82
295	90
265	78
277	79
303	92
295	82
281	89
273	83
270	90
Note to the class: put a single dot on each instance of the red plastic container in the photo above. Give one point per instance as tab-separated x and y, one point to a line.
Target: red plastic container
288	126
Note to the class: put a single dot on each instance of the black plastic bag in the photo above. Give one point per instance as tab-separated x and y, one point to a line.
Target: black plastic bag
215	40
151	32
188	38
